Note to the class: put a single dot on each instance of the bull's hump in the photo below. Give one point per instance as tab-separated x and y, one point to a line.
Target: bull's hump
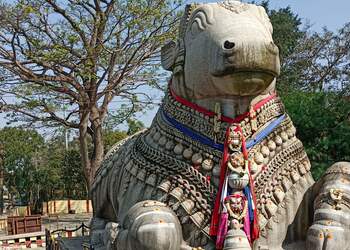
113	158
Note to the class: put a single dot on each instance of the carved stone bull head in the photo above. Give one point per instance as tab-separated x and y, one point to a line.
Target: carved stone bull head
224	50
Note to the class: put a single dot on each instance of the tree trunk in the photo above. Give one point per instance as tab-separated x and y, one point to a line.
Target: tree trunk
91	161
84	150
98	150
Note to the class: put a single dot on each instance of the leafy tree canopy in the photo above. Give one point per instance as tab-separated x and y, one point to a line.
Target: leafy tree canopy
323	125
66	61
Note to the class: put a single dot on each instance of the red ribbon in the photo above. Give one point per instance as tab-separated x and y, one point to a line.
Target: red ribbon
209	113
255	231
215	216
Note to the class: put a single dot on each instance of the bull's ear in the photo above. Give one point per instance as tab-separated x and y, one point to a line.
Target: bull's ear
168	55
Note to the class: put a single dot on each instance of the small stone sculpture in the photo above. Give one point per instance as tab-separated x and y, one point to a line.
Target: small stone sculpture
221	166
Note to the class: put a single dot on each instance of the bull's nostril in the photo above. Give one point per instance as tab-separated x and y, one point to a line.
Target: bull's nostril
229	45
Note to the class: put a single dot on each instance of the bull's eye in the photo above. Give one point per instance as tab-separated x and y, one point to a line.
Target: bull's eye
229	45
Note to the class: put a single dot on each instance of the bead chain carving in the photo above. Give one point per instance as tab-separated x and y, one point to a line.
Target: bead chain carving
176	135
174	165
281	158
107	163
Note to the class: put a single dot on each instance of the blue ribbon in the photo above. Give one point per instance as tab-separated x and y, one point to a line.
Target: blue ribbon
188	132
211	143
264	133
247	194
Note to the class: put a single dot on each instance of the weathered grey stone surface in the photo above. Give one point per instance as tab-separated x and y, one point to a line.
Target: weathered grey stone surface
152	191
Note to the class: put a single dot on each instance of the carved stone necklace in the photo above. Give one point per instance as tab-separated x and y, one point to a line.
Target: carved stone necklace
186	145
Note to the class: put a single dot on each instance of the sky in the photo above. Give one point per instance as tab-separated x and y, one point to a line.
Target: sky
319	13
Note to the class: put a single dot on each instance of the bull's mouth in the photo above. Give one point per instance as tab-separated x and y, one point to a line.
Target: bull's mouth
244	81
247	71
254	71
254	77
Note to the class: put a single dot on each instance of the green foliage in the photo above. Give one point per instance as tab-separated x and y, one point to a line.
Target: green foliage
62	171
323	125
112	137
72	47
21	148
134	126
73	181
286	29
37	170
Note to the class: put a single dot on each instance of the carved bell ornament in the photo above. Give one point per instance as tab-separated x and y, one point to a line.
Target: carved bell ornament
271	145
177	193
278	140
265	151
178	149
197	218
165	186
270	208
238	182
188	205
207	164
258	158
236	239
187	153
235	139
336	195
279	194
253	167
236	162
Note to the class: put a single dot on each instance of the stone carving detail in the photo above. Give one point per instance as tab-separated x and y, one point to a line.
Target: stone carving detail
221	166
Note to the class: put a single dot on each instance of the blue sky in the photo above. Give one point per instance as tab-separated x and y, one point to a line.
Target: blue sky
320	13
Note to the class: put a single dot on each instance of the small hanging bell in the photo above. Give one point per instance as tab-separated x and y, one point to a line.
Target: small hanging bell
198	219
165	186
177	193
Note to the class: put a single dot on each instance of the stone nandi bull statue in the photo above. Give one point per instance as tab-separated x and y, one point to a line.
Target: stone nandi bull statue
220	167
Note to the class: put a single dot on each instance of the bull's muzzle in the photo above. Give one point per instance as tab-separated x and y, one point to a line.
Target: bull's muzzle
251	56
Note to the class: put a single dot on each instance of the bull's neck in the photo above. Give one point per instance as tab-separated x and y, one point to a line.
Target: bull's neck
230	106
